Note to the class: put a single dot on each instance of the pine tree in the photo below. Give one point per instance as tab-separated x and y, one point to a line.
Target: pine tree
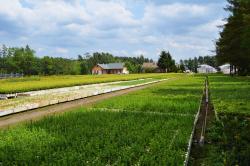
166	63
233	45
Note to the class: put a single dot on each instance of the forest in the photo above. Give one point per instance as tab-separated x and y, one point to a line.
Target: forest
24	60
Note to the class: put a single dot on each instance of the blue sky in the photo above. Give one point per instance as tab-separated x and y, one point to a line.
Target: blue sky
186	28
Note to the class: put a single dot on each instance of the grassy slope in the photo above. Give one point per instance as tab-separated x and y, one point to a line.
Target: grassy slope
46	82
100	137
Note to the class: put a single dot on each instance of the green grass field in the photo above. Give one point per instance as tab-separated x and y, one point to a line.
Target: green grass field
146	127
14	85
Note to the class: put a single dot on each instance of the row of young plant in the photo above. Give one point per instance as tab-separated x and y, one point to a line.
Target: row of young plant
15	85
146	127
57	97
229	134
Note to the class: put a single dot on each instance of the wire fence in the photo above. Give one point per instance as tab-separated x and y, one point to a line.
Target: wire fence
11	75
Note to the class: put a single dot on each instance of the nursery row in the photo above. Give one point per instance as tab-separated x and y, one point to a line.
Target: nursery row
24	84
230	95
229	134
147	127
36	99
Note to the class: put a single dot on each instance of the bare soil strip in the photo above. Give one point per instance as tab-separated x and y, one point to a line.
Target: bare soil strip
39	113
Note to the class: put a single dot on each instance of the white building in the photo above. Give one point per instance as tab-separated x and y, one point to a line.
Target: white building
187	70
206	69
125	70
225	69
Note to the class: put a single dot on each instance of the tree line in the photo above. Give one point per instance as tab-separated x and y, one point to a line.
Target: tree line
88	61
23	60
233	46
192	64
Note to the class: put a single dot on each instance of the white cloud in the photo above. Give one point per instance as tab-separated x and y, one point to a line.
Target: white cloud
140	52
209	27
62	50
175	10
111	25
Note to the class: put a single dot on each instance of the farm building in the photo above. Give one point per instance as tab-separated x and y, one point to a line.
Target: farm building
225	69
187	70
150	67
110	68
206	69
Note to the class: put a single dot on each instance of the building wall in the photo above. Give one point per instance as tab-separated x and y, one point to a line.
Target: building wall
125	71
97	70
114	71
206	70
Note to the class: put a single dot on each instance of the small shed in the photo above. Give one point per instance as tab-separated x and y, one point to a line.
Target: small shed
110	68
206	69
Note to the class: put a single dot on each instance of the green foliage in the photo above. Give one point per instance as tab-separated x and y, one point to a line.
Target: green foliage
192	64
23	60
133	64
166	63
132	68
233	45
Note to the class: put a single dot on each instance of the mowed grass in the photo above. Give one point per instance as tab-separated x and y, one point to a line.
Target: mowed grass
15	85
135	135
230	94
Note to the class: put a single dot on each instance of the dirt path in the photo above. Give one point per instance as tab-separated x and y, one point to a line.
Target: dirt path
39	113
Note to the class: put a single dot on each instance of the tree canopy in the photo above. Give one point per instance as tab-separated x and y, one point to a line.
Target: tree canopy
23	60
233	45
166	63
193	63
